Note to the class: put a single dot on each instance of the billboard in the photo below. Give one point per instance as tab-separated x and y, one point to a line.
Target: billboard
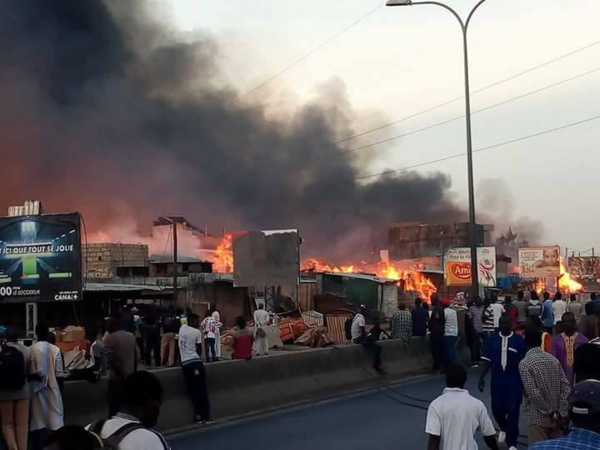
584	269
266	258
40	258
457	266
539	262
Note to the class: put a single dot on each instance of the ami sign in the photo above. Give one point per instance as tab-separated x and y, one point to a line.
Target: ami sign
457	266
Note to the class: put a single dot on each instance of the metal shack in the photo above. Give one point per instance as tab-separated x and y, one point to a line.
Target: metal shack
376	293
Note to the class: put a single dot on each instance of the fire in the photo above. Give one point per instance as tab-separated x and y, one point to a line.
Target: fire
318	265
223	262
412	280
566	283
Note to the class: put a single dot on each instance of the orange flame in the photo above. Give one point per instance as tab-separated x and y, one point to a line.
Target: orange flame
412	280
565	282
223	262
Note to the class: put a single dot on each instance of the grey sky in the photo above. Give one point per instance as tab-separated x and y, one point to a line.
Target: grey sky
400	61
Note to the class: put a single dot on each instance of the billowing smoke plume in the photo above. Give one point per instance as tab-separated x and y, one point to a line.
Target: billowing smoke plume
106	111
497	206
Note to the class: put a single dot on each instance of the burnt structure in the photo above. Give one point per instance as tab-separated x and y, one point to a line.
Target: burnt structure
416	240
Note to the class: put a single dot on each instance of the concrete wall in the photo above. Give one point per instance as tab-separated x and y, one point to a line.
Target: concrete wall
101	260
242	387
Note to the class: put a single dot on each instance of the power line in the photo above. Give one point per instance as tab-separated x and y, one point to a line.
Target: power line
503	102
489	86
489	147
310	53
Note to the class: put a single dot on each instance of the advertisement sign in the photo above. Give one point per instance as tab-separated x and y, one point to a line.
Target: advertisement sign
539	262
585	269
457	266
40	258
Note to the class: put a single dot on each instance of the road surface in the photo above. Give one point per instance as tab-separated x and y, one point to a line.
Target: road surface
388	417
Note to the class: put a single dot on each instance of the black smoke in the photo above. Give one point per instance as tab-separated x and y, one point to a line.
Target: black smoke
107	111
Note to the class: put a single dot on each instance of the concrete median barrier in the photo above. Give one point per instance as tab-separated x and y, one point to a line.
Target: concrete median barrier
243	387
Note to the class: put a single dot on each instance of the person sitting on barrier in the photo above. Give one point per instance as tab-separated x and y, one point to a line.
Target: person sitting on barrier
131	428
243	340
359	336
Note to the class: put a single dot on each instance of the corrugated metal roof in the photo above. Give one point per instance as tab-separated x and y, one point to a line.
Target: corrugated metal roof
114	287
362	276
166	259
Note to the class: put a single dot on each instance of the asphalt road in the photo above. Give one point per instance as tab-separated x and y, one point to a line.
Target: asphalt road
388	417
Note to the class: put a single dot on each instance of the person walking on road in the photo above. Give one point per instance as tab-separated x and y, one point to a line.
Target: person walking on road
559	307
546	390
437	323
521	306
46	407
547	313
122	355
132	427
502	354
590	322
585	366
534	308
15	368
564	345
359	336
419	319
450	333
261	321
575	307
454	417
584	413
476	320
497	310
190	349
402	324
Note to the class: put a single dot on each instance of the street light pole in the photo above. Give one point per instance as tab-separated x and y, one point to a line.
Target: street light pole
175	257
464	26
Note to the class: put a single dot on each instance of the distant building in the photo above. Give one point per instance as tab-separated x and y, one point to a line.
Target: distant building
415	240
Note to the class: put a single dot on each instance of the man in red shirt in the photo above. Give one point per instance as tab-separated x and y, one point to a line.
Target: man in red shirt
243	340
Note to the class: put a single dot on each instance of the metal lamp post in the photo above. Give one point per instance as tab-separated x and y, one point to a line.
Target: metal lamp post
464	25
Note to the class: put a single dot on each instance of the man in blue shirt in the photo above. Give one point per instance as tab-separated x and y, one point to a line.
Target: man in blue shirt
547	313
502	354
584	409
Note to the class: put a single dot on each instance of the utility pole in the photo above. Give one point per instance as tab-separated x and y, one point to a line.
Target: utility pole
175	288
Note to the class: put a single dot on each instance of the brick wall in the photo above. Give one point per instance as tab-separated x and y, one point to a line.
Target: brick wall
102	260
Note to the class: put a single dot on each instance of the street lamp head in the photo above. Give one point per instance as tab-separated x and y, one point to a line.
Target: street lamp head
398	3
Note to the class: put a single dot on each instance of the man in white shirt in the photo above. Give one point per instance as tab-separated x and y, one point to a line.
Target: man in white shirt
190	349
498	310
132	427
455	416
261	320
359	336
559	307
450	333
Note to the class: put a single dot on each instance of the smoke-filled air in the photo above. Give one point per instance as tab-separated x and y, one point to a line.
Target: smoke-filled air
108	111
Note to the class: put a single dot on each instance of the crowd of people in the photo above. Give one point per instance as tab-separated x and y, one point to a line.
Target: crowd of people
32	378
545	354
